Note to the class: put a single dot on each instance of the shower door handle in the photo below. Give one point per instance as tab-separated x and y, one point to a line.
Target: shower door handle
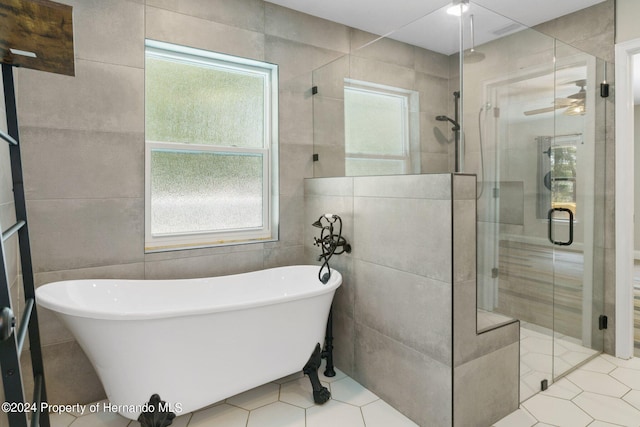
561	243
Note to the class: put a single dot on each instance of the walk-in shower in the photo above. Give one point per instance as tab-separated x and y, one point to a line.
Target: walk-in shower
540	217
515	96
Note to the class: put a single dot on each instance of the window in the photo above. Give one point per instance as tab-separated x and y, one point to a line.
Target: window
378	129
563	177
211	148
557	171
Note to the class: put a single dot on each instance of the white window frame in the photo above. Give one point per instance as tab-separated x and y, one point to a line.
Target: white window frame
155	242
407	97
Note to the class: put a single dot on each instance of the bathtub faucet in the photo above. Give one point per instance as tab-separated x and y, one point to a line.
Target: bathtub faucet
330	242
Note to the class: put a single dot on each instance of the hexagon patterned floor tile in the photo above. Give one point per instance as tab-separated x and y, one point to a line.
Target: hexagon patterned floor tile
603	393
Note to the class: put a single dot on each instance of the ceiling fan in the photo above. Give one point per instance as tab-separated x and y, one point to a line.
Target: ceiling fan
574	104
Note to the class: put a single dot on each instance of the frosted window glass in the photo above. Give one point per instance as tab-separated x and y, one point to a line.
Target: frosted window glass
374	123
196	191
203	104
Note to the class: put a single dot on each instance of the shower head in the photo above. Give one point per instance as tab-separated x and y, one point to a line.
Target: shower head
456	125
472	56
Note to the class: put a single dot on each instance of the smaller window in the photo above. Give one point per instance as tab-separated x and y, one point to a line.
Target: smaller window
563	177
557	175
378	134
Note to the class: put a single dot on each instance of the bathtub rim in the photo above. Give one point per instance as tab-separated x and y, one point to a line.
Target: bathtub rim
46	298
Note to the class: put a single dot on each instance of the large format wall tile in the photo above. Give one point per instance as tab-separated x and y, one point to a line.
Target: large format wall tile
283	255
247	14
109	31
433	63
116	271
344	342
295	113
413	310
434	93
294	58
100	97
373	71
291	221
292	25
328	125
413	383
330	78
78	233
205	266
384	50
76	164
422	228
486	389
296	164
464	252
437	187
172	27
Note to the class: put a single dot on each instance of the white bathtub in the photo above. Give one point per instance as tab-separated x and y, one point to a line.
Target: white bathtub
196	341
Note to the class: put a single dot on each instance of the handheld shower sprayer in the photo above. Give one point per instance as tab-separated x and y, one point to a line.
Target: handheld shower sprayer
329	242
456	125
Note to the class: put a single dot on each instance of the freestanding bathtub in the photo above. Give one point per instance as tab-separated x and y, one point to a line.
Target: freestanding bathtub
194	342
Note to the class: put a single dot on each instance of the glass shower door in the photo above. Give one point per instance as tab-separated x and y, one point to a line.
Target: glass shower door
515	257
576	158
538	150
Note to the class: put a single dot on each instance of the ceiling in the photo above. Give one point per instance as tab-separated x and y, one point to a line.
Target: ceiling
425	23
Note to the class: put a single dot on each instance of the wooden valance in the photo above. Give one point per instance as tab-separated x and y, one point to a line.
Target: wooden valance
40	27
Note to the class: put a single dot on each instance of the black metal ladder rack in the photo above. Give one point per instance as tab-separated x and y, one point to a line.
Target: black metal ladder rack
18	409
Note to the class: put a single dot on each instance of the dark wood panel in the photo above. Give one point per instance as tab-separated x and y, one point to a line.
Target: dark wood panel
39	26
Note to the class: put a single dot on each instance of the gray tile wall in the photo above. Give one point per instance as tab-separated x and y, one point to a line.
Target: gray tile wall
83	150
404	317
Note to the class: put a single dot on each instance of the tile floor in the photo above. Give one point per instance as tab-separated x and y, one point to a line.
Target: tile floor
544	355
287	402
603	392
